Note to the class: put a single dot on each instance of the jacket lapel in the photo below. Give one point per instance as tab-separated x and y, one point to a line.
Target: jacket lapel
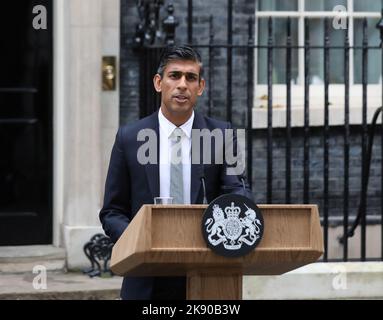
152	170
196	169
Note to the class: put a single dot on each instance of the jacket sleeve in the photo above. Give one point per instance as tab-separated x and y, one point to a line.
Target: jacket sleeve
234	183
115	214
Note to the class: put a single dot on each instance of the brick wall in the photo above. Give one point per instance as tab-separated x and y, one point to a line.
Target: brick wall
243	9
336	169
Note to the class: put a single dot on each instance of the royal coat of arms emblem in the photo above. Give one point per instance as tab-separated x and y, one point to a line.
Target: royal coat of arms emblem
232	225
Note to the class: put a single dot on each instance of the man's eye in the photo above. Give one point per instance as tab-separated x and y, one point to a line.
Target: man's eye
191	77
174	76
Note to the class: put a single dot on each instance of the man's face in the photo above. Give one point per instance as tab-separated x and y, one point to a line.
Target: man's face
180	87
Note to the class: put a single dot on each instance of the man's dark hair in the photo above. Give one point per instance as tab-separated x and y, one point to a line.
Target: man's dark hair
181	52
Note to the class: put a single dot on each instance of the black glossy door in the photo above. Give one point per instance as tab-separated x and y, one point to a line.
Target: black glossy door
25	125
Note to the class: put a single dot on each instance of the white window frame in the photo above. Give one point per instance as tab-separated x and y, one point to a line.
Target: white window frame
316	96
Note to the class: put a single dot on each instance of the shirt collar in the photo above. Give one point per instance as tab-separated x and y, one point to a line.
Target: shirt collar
169	127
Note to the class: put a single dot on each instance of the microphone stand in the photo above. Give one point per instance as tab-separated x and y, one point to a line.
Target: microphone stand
243	184
202	177
204	189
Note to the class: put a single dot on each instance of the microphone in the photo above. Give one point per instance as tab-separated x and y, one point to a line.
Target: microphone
203	188
243	184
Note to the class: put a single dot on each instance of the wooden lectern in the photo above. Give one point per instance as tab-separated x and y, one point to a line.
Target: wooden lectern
166	240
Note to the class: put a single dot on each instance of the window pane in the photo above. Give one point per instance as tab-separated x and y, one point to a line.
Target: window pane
374	56
323	5
279	54
367	5
278	5
336	38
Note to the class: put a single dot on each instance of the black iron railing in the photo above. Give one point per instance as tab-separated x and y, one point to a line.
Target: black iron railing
149	54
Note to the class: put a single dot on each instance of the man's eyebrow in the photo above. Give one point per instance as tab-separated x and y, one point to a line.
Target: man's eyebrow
188	72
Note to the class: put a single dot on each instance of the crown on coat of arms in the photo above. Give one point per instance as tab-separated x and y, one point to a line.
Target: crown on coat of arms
232	211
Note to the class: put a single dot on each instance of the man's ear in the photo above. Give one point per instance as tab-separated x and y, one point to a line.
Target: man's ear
157	82
201	86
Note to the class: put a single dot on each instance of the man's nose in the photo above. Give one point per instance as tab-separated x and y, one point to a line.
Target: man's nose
182	82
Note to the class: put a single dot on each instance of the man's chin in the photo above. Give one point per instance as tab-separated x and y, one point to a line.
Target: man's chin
182	109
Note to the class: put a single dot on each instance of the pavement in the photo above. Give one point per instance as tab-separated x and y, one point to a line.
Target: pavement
39	272
58	286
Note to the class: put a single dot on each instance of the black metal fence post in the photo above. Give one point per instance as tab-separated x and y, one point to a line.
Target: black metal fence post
288	112
306	135
346	141
229	97
270	112
326	136
190	21
211	65
380	27
250	98
364	138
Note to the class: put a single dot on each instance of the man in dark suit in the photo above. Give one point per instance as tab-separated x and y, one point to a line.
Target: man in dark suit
130	184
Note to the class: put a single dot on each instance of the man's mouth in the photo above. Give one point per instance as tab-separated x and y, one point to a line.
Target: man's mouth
181	98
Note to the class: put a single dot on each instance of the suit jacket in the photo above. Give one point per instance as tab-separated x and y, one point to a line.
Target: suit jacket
130	184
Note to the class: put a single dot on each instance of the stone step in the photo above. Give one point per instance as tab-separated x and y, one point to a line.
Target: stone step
58	286
22	259
321	280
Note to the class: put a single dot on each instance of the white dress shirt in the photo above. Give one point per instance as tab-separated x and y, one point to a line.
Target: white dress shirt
165	129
